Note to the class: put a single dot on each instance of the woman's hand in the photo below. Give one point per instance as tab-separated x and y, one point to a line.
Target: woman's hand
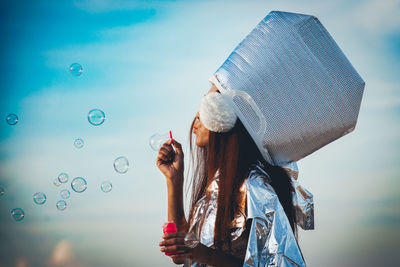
170	162
175	244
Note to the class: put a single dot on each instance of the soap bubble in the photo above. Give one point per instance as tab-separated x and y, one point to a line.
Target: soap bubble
75	69
39	198
17	214
12	119
79	184
57	182
65	194
96	117
78	143
2	191
157	140
63	177
61	205
121	165
106	187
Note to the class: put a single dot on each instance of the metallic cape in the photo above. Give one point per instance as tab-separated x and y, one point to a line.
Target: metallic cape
271	241
303	200
291	86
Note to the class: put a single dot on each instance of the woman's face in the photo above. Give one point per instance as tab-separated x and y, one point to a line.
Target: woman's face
201	132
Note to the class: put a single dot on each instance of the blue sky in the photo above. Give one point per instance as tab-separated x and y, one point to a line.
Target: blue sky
146	64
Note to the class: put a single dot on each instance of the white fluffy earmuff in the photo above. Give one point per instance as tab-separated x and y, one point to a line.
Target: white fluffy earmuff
216	113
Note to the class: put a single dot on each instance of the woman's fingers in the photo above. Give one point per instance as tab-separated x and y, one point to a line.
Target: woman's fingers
164	157
172	241
175	248
167	147
178	147
174	235
180	258
164	152
167	153
169	161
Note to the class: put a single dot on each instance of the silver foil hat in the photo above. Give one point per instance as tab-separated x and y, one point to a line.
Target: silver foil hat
291	86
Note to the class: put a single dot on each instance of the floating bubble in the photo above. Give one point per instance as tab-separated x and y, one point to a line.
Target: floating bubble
76	69
63	177
65	194
17	214
2	191
61	205
121	165
157	140
12	119
79	184
96	117
57	182
106	187
78	143
39	198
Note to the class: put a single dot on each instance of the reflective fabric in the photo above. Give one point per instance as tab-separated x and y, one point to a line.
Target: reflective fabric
271	240
291	86
303	200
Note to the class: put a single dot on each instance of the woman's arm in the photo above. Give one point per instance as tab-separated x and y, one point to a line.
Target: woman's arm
216	258
175	203
170	163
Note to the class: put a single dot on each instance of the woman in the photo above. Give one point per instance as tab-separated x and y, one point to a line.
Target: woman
241	212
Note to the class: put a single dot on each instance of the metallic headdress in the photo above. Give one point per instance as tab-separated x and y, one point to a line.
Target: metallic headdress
291	86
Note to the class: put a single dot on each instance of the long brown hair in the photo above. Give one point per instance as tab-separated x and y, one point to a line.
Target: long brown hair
232	153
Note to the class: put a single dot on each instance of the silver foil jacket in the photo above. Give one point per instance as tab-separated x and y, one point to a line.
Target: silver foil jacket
271	241
291	86
303	200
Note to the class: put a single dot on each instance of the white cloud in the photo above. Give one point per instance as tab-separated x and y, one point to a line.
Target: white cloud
379	16
381	95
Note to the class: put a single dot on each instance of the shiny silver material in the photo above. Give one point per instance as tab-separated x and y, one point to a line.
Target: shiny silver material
271	241
204	233
302	199
291	86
